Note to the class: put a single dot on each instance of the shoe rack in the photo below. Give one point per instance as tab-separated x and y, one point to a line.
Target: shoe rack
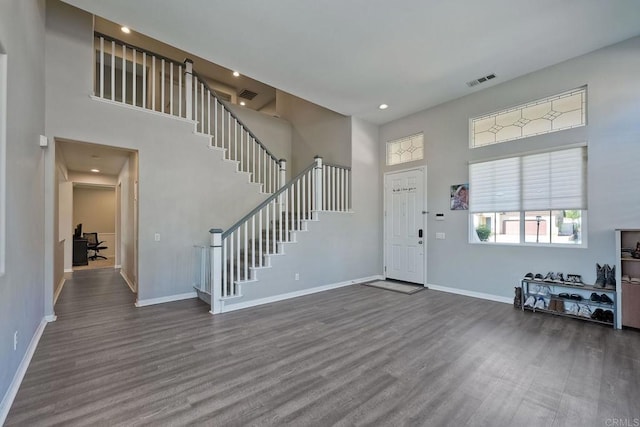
628	276
559	297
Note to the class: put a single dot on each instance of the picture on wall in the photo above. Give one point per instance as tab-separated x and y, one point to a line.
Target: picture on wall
460	197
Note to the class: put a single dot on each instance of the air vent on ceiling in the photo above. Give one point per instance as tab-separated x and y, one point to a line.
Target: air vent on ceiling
475	82
247	94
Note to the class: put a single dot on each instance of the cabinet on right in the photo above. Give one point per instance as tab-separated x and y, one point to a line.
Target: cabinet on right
628	276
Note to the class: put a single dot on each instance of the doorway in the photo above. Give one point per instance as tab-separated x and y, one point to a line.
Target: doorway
404	227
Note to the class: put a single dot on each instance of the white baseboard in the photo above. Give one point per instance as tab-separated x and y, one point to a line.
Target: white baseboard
117	266
472	294
58	290
10	395
162	300
68	270
246	304
50	318
127	281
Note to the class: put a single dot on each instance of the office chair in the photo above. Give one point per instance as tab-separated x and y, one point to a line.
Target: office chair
94	245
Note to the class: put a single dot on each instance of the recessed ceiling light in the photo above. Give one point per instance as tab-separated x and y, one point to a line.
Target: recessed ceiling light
95	170
236	74
383	106
243	103
125	30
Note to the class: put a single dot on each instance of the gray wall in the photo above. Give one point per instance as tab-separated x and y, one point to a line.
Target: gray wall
612	134
128	235
340	247
316	131
22	285
185	187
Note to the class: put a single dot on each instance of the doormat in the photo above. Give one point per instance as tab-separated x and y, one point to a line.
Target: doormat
396	287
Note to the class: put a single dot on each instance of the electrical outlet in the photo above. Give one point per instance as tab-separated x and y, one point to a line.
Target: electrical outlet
15	340
297	276
440	236
157	237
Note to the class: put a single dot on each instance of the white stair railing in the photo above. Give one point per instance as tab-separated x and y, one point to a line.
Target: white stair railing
133	76
243	247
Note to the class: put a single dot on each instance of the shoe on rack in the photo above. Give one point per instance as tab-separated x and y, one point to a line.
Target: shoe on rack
530	302
610	277
595	297
560	306
559	278
626	278
598	314
540	304
550	277
552	305
538	276
564	295
575	279
571	308
584	311
576	297
528	276
600	276
607	316
604	298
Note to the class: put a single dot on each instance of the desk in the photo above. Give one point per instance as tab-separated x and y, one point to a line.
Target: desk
80	252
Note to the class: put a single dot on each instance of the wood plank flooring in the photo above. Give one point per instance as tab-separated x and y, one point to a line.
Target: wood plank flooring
352	356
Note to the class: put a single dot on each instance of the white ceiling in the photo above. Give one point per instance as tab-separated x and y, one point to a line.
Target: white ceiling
82	157
352	55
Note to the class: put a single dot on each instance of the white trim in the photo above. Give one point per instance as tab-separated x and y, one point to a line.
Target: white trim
117	266
68	270
126	279
58	290
275	298
162	300
10	395
472	294
51	318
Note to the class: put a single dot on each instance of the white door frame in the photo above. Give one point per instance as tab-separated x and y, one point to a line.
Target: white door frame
424	222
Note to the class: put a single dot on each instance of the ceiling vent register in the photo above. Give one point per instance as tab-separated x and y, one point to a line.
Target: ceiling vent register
247	94
475	82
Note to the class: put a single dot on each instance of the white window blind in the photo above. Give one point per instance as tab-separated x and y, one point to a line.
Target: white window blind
546	181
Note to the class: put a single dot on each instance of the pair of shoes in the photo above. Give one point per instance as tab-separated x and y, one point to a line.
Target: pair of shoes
574	279
556	305
553	277
517	299
605	276
603	298
528	276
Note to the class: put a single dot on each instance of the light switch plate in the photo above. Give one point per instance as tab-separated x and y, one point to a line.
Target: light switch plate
440	236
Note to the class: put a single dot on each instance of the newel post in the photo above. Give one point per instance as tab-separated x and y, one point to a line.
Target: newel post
188	87
216	270
318	183
283	173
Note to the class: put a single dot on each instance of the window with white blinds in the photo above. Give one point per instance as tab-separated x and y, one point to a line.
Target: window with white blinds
535	198
552	180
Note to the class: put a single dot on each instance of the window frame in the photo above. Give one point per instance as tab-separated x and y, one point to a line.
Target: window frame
398	140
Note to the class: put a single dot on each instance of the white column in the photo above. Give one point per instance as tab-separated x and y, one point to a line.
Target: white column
188	88
318	179
216	270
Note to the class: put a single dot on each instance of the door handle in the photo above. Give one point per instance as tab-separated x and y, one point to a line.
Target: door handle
420	233
419	242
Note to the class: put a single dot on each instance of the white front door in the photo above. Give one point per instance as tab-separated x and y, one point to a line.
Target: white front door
404	225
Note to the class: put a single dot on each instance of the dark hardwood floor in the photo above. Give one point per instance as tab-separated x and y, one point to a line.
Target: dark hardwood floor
352	356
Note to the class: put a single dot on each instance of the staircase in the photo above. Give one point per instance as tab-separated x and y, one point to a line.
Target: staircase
137	78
